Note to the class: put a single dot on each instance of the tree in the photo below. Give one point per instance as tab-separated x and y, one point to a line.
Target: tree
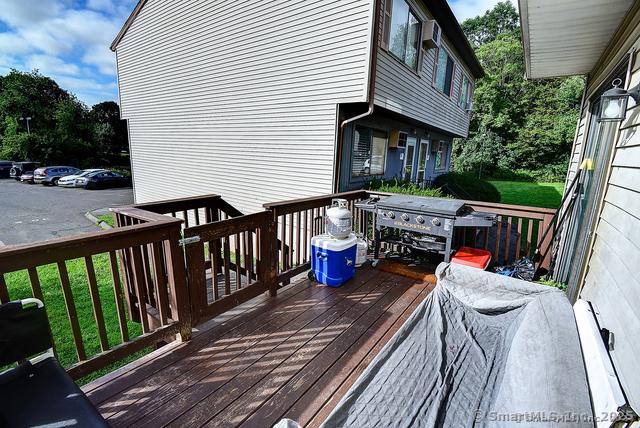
62	129
502	19
109	132
517	123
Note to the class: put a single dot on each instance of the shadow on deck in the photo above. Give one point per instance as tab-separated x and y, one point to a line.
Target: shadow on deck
294	356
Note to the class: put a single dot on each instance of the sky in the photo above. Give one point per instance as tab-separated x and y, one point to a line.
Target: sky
68	40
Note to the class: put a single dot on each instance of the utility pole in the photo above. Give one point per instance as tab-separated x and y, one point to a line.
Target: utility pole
27	119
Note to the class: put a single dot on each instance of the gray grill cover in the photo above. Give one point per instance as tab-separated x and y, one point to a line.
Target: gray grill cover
481	350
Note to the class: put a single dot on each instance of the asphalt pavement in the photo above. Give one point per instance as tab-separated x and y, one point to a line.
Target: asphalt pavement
30	213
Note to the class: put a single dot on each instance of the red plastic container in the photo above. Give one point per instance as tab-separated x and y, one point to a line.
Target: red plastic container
473	257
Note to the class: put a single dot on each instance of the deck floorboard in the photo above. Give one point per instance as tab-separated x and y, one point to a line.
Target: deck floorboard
290	356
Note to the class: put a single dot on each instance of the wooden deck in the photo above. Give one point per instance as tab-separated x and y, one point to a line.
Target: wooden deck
294	356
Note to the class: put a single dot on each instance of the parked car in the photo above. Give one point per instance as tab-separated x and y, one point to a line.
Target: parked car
72	180
5	168
19	168
103	180
50	175
27	177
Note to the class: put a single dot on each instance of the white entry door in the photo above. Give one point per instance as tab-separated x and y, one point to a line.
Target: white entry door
409	159
423	156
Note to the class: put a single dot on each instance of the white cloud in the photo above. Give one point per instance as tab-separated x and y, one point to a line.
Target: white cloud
101	5
64	42
50	65
465	9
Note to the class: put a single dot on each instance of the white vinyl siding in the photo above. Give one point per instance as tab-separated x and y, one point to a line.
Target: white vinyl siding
412	94
240	98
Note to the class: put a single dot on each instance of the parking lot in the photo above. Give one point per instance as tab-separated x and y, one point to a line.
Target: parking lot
30	213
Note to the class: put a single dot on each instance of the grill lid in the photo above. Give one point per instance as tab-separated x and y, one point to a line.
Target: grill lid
422	204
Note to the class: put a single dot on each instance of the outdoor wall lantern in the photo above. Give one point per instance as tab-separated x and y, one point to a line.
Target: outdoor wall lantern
614	101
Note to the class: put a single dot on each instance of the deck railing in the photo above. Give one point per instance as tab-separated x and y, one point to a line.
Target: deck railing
146	254
177	263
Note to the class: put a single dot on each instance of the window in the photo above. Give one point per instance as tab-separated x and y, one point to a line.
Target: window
441	156
466	93
402	31
369	152
444	71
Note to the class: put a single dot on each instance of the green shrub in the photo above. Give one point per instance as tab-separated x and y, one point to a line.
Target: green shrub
552	283
403	187
467	186
546	174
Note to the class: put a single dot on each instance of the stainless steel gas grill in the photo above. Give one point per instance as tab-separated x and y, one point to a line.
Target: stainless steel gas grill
425	224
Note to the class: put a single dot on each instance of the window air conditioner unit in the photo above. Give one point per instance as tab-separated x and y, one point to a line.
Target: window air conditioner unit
431	33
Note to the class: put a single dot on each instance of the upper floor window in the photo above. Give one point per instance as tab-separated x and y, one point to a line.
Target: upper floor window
402	30
444	71
369	152
466	93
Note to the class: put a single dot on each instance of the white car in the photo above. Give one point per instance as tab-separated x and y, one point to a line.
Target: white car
72	180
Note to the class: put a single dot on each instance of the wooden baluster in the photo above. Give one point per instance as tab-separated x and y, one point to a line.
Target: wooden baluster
185	216
283	245
298	239
529	237
140	287
305	243
71	311
148	276
290	242
238	261
498	238
162	292
248	256
518	221
95	302
197	215
4	293
215	266
227	263
117	292
35	284
507	246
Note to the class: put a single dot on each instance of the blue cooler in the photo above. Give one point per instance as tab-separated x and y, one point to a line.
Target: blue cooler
333	261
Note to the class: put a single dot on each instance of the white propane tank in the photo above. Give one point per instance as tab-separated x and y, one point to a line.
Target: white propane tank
361	251
338	220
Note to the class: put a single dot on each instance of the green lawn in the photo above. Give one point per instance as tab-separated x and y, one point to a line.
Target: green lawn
19	288
545	195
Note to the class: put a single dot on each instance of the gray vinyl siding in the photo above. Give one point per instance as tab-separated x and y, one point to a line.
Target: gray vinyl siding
412	94
240	98
612	283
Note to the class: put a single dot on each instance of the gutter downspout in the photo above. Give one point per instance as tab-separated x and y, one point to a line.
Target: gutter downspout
373	62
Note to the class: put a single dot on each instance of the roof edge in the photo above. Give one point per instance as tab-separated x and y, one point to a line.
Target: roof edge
134	13
523	7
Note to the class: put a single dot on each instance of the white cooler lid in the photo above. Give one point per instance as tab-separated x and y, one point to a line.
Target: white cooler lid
327	242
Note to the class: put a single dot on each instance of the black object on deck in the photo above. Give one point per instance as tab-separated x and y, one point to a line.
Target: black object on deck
37	392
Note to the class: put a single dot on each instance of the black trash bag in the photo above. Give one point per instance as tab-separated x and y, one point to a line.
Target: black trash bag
522	269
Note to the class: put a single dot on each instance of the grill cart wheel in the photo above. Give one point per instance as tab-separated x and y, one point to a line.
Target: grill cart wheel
312	276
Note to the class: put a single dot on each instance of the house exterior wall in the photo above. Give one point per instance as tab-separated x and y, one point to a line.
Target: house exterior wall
403	90
610	280
240	98
394	163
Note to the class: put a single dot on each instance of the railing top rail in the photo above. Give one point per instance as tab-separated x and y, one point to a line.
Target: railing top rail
18	257
231	226
286	207
176	205
142	214
509	209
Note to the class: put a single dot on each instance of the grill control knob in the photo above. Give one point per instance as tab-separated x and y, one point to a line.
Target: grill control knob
435	221
391	214
405	217
420	219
